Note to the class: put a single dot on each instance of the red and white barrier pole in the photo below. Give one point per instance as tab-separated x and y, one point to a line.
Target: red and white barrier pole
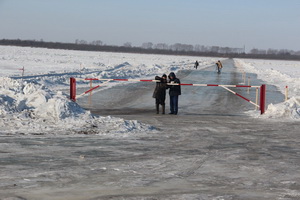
256	98
262	98
239	95
91	89
73	89
262	89
184	84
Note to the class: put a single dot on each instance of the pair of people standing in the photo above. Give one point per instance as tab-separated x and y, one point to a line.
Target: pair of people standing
160	92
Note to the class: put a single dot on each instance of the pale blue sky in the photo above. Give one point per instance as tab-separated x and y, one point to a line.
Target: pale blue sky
259	24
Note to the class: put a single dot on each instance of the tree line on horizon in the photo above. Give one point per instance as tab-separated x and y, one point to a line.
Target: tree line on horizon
161	48
200	48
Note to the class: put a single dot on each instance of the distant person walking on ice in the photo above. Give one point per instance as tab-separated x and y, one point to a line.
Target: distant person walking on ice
174	92
160	92
219	66
196	64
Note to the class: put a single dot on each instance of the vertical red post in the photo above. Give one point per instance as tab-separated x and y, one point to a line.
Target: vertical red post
73	89
262	98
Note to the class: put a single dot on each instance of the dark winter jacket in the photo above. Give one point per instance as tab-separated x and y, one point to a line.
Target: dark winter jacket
160	89
175	90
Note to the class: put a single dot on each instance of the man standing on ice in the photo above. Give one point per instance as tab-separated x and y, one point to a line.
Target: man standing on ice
196	64
174	92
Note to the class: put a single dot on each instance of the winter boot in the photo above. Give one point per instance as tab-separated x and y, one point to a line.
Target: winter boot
157	108
163	109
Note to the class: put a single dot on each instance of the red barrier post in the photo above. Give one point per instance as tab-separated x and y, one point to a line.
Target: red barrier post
262	98
73	89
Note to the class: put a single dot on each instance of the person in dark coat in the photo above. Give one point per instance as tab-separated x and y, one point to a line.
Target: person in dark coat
196	64
160	92
174	92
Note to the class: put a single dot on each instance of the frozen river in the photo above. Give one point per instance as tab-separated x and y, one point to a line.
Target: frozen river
211	150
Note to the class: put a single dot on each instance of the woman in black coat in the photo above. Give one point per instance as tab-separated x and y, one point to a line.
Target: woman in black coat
160	92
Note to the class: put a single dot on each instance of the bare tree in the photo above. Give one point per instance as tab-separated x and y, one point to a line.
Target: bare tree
216	49
162	46
127	44
181	47
200	48
258	51
147	45
97	43
272	51
77	41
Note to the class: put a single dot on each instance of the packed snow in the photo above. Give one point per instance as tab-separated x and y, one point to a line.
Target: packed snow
34	101
29	107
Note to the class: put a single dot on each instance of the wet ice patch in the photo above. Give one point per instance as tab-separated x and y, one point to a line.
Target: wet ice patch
30	108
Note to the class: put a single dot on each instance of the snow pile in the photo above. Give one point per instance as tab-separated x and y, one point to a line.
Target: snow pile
280	74
30	108
287	109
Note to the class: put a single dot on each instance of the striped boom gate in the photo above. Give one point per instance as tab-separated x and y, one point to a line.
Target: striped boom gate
262	88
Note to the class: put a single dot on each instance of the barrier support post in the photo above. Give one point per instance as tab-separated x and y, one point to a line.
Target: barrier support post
262	98
90	96
248	90
73	89
256	98
23	71
286	93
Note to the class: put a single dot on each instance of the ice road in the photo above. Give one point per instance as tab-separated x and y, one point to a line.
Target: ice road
211	150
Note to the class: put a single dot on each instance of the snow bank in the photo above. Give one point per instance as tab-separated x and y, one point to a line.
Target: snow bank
30	108
280	74
287	109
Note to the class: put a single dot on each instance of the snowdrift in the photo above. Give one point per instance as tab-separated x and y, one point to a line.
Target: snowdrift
30	108
287	110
